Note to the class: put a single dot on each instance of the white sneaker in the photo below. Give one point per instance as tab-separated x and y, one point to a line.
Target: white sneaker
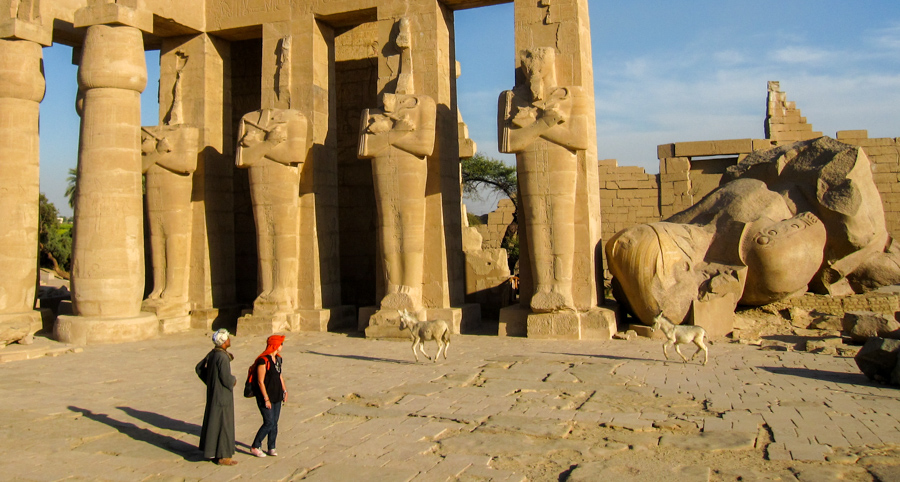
257	452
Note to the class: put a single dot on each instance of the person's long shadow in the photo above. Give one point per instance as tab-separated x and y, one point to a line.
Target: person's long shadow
363	358
162	421
177	447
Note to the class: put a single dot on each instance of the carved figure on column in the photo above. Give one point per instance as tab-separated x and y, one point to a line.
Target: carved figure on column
273	144
169	159
545	125
398	138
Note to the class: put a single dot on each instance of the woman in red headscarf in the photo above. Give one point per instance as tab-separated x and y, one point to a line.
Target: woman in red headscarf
270	391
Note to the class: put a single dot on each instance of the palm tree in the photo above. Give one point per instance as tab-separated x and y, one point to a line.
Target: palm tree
71	183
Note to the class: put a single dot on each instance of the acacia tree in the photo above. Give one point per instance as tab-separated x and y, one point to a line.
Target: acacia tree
482	172
486	173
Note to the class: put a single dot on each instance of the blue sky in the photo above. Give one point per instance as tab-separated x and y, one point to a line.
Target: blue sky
663	72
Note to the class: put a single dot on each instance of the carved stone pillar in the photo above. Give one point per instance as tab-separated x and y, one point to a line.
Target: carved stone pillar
108	250
559	276
169	161
272	144
21	91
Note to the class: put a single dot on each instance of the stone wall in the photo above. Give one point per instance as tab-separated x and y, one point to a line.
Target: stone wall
628	196
887	303
492	232
884	153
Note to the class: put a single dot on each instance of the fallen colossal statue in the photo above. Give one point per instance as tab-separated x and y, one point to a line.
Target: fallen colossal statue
804	216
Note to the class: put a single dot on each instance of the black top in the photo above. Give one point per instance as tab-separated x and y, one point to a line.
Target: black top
272	380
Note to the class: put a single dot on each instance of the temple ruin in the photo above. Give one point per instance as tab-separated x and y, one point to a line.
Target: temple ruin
270	205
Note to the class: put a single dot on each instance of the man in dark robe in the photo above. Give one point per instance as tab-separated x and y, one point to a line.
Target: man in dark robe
217	434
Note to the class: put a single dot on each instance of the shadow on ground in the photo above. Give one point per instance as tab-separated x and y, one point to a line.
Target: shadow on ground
824	375
178	447
361	357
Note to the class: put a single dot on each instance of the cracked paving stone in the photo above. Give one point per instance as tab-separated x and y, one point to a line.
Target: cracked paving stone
526	426
711	441
649	471
819	473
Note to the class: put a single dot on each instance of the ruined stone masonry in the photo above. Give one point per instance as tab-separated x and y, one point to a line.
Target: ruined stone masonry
707	188
690	170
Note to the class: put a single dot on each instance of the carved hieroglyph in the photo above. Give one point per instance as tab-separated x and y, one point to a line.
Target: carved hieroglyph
169	160
21	90
805	215
397	138
545	125
273	143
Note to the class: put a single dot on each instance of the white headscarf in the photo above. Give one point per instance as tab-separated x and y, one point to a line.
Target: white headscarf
220	337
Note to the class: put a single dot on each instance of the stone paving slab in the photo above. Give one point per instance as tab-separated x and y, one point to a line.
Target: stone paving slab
504	409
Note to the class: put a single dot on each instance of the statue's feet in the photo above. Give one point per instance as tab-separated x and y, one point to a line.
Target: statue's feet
275	301
407	298
169	297
551	299
155	294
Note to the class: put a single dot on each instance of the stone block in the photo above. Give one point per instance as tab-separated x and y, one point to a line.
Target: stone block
762	144
19	326
713	148
114	13
363	316
513	321
174	324
677	164
716	315
598	323
266	324
665	150
385	324
858	134
878	358
83	330
862	325
453	316
608	163
35	31
312	320
563	325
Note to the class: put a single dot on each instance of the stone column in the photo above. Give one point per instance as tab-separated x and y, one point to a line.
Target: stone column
21	91
564	27
108	250
443	284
